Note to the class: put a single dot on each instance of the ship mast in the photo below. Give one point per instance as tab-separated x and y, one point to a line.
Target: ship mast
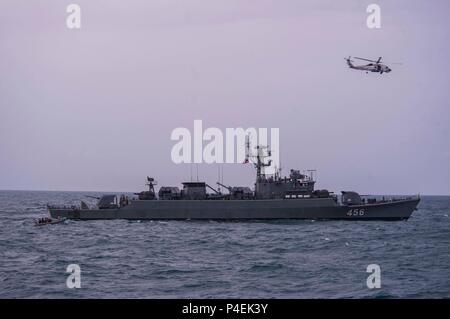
258	160
151	183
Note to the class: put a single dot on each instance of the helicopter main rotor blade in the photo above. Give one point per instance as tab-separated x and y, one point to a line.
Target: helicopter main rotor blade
365	59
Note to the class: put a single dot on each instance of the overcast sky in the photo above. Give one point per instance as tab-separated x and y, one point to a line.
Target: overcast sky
93	109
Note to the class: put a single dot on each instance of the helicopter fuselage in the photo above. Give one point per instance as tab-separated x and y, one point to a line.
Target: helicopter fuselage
371	67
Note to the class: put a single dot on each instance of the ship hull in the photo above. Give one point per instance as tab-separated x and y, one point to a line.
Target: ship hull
314	208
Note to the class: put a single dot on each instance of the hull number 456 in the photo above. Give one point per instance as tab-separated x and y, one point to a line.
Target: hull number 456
356	212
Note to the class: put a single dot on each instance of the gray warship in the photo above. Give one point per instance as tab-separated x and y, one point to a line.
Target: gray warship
273	197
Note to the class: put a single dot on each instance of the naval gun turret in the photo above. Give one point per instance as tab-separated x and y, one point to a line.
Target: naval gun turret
238	192
351	198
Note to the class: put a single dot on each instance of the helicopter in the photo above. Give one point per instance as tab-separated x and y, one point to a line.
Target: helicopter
375	66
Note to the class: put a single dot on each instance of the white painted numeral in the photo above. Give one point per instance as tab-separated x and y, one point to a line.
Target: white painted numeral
356	212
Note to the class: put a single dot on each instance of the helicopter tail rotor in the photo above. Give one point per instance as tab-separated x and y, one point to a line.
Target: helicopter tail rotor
349	61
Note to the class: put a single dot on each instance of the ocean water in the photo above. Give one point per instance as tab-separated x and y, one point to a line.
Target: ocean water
208	259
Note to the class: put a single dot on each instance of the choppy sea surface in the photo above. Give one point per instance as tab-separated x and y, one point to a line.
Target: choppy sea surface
208	259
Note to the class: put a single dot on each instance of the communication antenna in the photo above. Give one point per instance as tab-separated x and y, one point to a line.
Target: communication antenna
218	177
247	148
311	173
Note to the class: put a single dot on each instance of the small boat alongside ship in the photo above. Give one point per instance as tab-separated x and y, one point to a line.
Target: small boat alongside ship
48	221
273	197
